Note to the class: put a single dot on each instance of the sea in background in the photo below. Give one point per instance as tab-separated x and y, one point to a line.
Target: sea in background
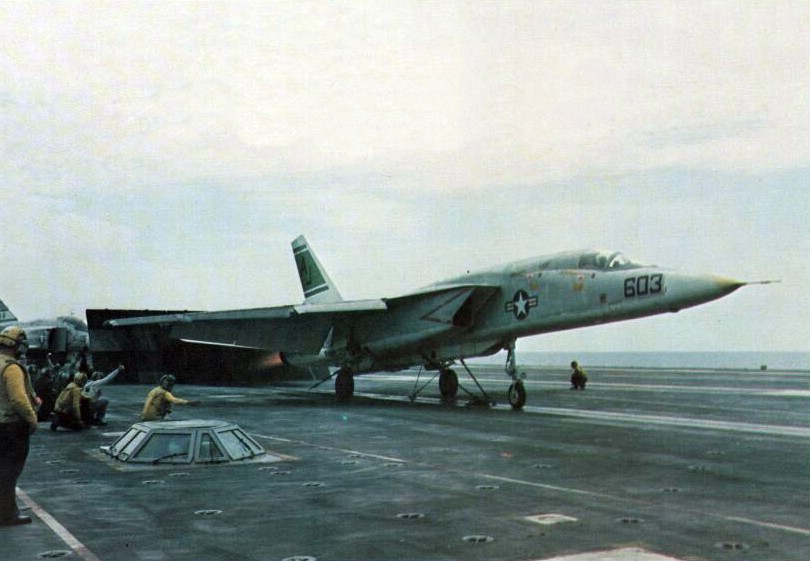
712	360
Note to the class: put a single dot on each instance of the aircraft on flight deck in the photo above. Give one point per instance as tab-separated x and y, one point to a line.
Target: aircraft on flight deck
65	336
477	314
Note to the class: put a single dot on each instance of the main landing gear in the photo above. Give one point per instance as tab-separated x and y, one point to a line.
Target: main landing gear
517	392
448	383
344	385
449	386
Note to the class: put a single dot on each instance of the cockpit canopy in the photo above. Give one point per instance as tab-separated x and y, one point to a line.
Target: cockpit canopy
606	261
587	259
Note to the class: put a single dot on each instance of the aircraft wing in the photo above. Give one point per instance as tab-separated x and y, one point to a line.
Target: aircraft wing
453	304
259	328
278	313
311	329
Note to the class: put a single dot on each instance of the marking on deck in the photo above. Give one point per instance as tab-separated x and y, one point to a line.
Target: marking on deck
624	554
771	525
550	519
344	450
686	422
78	547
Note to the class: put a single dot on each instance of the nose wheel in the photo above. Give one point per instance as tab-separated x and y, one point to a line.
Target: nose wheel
517	395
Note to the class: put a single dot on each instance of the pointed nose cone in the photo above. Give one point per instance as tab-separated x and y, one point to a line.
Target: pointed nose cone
691	290
726	285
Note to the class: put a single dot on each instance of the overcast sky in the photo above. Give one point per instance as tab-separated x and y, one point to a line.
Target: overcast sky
163	155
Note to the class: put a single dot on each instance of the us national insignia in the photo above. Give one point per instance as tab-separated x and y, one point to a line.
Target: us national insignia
521	304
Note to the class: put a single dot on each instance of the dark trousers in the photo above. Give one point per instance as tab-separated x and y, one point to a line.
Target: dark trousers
67	420
578	381
94	411
14	440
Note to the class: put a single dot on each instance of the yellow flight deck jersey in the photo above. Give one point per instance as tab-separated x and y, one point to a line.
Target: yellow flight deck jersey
69	401
16	394
158	403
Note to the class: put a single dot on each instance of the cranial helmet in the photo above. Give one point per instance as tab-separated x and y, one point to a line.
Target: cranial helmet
97	375
13	336
80	378
167	381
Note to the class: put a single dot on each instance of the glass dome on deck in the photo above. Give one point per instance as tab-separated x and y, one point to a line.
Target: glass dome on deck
184	442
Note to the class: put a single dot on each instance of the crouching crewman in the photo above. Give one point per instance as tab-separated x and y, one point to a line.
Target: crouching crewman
68	409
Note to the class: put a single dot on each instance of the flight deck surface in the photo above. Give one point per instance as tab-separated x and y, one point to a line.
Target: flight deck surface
684	464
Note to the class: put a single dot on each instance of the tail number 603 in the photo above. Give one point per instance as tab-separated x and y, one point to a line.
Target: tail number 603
643	285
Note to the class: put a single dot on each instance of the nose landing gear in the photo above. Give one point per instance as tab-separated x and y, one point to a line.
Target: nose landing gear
517	391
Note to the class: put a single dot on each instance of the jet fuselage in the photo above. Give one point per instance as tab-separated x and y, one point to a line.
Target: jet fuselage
543	295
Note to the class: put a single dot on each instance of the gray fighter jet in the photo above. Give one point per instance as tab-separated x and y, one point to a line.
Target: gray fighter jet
474	315
64	337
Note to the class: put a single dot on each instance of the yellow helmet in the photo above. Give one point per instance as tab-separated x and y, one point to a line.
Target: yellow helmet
13	336
80	378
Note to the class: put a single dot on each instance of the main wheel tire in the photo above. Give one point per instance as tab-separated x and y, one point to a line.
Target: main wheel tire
344	386
448	383
517	395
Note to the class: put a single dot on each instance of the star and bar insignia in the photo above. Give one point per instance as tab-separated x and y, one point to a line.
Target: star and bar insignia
521	304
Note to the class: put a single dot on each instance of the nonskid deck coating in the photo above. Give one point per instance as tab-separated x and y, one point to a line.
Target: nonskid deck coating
383	478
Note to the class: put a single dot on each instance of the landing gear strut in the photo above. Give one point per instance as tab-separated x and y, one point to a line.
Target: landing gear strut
449	386
517	392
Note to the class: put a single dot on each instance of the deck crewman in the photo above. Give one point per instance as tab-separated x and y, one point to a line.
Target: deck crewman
160	399
18	421
578	377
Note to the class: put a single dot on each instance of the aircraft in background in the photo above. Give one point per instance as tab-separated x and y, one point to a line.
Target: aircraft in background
473	315
64	337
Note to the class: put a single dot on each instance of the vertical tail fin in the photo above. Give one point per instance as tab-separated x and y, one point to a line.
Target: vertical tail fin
5	313
315	281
